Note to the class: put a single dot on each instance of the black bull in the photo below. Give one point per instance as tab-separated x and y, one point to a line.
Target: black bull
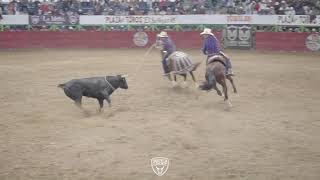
100	88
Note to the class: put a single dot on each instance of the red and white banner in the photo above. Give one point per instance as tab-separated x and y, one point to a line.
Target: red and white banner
297	20
286	20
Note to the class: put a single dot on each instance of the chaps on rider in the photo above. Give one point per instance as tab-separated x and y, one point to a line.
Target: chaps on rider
211	47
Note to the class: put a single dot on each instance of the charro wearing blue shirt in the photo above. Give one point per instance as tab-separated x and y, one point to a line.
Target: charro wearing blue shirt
211	47
169	47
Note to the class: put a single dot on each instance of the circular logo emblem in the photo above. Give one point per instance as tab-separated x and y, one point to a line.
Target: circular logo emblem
140	39
313	42
35	19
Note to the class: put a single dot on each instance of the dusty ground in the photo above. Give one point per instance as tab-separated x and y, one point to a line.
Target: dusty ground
271	133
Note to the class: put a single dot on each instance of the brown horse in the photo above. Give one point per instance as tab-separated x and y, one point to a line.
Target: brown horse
216	72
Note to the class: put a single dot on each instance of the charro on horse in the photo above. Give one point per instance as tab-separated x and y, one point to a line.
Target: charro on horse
218	66
175	62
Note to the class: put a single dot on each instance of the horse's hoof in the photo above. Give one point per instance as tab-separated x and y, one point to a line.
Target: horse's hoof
184	84
229	104
174	83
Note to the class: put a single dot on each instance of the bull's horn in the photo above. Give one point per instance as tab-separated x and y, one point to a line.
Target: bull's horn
124	75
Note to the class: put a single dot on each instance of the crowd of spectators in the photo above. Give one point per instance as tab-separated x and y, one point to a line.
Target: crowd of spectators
160	7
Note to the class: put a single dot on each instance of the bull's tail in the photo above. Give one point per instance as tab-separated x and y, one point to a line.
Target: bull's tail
61	85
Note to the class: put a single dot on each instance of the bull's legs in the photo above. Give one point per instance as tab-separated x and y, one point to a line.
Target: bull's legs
232	83
101	104
106	96
78	102
108	100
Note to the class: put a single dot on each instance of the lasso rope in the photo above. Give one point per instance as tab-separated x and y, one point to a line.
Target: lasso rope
105	78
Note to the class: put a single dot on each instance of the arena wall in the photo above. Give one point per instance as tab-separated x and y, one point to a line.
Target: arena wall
286	41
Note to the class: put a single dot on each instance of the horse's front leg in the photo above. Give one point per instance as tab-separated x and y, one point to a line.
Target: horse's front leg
174	81
169	77
184	83
232	83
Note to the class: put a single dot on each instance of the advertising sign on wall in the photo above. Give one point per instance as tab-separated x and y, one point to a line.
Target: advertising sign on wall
288	20
15	19
57	20
238	36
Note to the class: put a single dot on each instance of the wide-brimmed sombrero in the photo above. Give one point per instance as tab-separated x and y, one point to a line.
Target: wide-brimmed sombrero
163	34
207	31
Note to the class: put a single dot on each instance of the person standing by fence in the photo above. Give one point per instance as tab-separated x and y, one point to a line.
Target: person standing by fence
1	10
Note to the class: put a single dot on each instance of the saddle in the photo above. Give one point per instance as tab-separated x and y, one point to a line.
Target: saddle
217	58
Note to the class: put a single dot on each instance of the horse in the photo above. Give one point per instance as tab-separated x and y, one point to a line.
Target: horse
216	72
180	63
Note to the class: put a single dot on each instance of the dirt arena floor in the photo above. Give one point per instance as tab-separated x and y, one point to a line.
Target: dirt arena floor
271	132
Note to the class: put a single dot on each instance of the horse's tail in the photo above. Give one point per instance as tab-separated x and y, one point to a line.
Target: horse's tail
61	85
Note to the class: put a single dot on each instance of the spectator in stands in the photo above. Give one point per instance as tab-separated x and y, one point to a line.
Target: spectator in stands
276	7
44	7
248	7
263	7
272	11
163	7
257	8
230	6
132	11
1	10
11	8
